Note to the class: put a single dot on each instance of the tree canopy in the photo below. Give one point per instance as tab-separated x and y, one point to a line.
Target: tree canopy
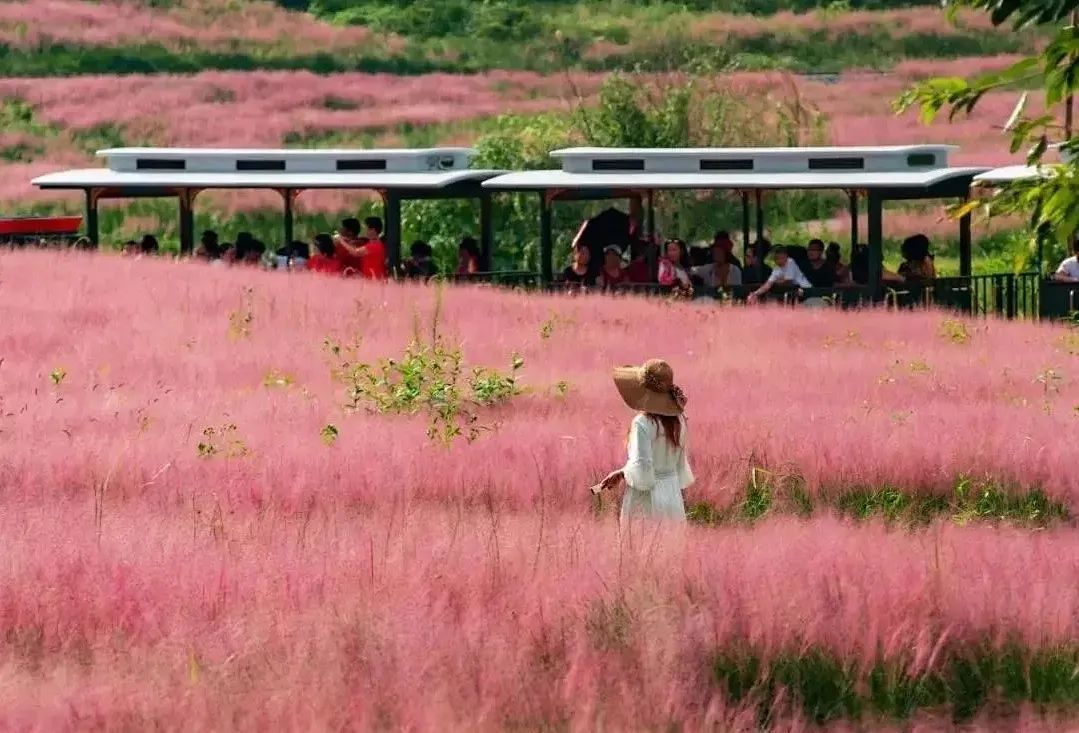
1051	199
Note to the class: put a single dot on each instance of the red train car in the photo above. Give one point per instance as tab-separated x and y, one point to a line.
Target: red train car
26	229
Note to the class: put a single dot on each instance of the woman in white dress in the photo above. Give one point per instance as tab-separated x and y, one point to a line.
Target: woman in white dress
657	470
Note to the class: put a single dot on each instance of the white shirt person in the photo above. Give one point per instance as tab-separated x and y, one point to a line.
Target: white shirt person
1068	272
785	272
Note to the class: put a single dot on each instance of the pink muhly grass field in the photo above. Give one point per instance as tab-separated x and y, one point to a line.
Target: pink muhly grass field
844	400
440	620
189	24
387	582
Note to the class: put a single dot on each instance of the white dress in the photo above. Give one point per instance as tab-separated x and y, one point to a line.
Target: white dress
656	472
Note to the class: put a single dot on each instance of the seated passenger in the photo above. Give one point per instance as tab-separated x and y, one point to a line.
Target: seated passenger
254	252
721	272
834	255
325	259
818	271
612	275
756	271
299	253
468	256
638	270
209	247
244	243
148	245
786	272
130	247
859	268
1068	272
724	241
419	265
580	271
917	265
674	265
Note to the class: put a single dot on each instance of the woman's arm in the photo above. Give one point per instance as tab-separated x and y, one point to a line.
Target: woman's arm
685	473
639	473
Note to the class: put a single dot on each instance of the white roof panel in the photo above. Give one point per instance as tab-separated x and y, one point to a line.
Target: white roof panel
877	159
557	179
105	178
289	152
1011	173
698	152
285	160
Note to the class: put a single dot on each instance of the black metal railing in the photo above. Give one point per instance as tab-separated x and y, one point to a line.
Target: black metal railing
1004	295
1059	300
507	278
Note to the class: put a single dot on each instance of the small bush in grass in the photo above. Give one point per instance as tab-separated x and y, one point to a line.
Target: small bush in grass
430	378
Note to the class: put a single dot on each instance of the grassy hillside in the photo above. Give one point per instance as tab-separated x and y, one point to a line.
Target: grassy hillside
67	37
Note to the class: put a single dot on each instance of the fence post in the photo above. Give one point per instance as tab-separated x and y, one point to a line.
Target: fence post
546	246
964	246
91	216
876	243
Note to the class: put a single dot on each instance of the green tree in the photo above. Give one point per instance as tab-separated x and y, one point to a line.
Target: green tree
1051	199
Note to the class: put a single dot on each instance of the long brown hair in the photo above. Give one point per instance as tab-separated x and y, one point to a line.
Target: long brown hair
671	425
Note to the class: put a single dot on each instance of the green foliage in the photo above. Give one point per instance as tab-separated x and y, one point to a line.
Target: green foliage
429	378
1051	201
963	680
100	137
768	493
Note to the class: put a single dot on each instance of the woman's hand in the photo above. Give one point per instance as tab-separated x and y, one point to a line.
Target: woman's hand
609	482
613	479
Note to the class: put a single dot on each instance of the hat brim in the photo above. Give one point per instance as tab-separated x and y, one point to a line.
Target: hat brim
637	397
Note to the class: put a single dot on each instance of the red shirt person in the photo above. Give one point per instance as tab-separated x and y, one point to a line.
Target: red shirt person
612	275
325	259
366	255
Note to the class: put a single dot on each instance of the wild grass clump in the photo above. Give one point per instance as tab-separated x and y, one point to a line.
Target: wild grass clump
969	501
429	378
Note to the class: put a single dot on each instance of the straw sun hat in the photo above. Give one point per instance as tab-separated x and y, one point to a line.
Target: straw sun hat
650	388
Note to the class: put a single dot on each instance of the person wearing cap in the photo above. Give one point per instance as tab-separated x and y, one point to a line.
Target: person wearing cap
612	275
657	467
